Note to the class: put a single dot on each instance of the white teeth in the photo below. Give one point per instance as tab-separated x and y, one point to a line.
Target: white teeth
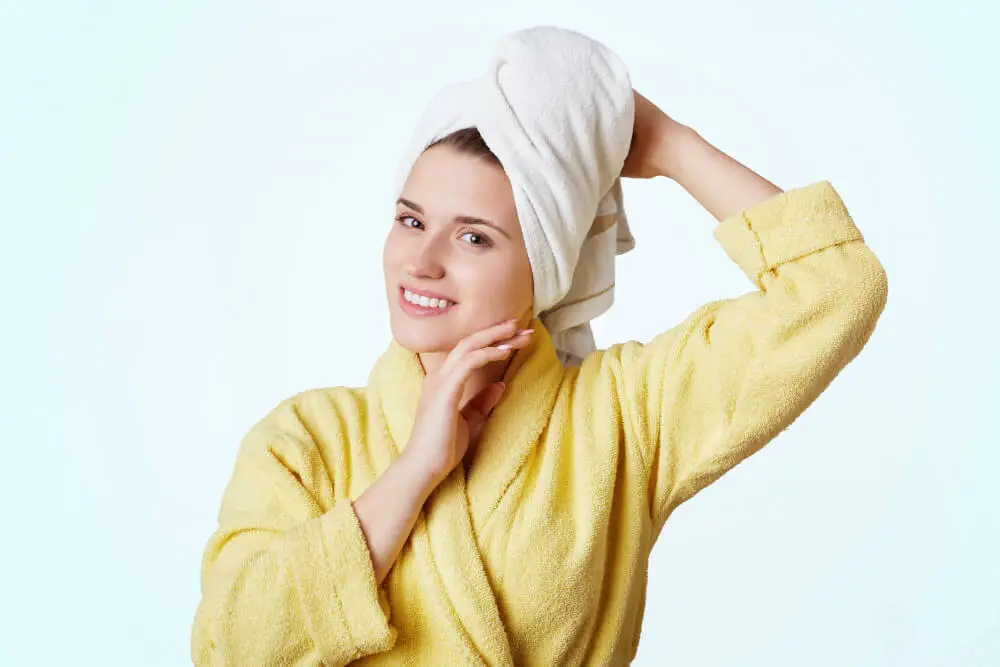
425	302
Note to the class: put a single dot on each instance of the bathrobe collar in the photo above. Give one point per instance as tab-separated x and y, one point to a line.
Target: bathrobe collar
460	506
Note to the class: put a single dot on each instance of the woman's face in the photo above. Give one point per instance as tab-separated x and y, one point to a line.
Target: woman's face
483	270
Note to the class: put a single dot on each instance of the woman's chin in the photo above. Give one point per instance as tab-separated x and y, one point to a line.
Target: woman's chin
417	338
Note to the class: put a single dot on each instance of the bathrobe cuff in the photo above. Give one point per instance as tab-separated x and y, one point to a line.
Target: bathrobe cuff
785	227
347	611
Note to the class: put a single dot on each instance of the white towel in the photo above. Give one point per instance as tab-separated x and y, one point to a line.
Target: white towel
557	109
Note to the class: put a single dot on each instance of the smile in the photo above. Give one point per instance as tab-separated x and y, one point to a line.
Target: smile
421	306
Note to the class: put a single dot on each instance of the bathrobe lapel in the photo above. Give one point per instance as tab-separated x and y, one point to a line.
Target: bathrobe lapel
460	506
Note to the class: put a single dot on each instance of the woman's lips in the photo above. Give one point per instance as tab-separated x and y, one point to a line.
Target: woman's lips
419	311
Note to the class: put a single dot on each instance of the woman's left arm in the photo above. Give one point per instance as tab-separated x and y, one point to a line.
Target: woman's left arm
704	395
662	146
721	184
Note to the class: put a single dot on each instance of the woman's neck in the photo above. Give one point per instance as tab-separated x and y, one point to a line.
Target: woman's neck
479	379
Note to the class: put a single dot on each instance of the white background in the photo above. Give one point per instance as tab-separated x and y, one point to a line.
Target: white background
194	200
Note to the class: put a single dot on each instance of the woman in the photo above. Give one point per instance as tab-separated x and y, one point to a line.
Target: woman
349	531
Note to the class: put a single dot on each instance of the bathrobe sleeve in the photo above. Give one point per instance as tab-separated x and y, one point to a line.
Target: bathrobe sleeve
708	393
284	582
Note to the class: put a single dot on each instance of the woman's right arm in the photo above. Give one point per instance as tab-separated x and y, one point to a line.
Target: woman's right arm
285	581
440	437
282	580
389	507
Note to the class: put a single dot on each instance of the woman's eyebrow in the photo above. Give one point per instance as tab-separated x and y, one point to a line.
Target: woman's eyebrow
458	219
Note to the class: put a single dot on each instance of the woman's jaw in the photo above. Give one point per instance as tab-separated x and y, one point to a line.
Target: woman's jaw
438	329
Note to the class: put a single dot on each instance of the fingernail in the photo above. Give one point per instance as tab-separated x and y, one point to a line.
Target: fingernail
524	331
503	346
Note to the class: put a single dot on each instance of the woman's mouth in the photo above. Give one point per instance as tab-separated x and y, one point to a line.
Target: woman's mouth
418	306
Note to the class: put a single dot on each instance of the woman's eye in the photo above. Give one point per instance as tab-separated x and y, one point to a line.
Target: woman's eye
401	218
485	241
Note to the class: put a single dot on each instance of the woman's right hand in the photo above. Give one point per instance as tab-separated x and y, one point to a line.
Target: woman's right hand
441	431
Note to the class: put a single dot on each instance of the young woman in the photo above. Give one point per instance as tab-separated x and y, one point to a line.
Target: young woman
349	531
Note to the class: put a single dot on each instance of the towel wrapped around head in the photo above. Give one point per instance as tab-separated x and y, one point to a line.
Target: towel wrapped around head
557	109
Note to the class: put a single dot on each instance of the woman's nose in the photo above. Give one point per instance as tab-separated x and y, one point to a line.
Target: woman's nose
426	259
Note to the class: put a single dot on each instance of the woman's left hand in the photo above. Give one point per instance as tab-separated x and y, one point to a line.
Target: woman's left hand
648	154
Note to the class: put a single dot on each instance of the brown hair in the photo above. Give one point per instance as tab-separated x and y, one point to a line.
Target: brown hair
468	140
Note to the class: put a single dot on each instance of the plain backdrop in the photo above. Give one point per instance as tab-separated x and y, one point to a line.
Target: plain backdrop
194	201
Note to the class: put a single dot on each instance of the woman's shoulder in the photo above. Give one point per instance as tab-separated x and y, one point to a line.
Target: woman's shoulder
311	432
324	398
311	417
308	437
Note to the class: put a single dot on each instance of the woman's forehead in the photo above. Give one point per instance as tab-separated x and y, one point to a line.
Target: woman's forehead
445	183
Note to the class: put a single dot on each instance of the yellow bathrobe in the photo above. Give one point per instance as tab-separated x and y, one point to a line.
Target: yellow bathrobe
538	554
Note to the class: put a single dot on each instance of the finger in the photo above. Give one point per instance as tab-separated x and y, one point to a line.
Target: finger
478	406
460	361
520	339
462	367
495	397
485	337
478	409
455	374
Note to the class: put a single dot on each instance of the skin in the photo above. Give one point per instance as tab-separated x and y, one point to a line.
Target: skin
485	270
